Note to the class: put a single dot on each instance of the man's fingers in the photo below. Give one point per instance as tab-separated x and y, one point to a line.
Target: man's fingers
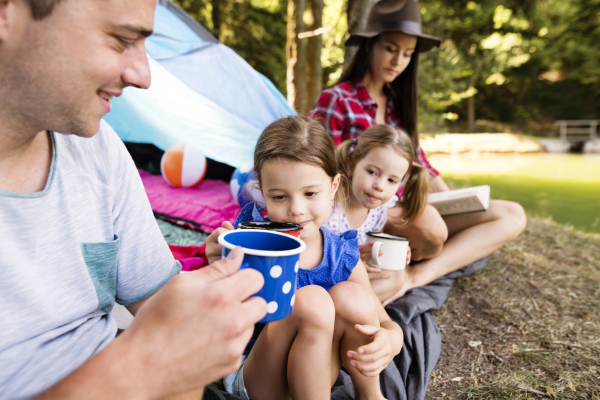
255	308
224	267
244	284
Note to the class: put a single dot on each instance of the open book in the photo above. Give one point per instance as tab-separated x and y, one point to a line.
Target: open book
461	201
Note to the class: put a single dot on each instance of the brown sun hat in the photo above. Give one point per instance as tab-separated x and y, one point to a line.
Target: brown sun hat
395	16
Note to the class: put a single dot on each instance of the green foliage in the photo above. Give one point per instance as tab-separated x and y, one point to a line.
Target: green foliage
255	29
527	61
332	56
523	61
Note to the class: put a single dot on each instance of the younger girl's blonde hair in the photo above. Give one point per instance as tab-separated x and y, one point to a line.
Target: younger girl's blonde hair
298	139
416	180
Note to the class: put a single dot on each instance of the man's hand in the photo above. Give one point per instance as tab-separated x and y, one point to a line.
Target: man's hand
194	330
188	334
213	248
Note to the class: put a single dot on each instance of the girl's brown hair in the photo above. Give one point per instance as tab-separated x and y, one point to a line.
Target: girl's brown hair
416	180
298	139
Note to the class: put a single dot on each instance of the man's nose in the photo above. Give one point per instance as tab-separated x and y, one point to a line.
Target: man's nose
137	72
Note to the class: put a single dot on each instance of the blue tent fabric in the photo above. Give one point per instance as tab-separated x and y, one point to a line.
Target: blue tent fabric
202	94
170	112
235	84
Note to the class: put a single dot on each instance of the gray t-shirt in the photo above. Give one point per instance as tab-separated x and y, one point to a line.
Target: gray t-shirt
67	254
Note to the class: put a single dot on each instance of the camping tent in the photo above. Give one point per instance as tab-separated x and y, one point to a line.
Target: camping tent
202	94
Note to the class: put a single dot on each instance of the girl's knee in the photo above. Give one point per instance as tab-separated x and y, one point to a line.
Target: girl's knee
313	307
353	303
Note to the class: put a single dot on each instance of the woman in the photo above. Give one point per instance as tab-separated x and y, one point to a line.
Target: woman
380	86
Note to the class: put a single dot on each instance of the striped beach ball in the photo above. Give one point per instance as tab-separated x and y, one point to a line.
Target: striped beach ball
183	166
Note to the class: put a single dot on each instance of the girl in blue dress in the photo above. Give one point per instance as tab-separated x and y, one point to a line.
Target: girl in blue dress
337	318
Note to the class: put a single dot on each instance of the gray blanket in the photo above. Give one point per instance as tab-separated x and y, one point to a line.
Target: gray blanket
407	376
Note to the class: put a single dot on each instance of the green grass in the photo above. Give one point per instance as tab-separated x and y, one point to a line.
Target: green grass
571	203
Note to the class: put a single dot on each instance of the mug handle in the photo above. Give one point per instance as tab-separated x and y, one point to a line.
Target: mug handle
375	252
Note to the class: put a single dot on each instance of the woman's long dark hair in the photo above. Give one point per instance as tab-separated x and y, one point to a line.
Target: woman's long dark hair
404	89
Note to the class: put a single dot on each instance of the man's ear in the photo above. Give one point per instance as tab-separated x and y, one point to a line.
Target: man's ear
8	17
4	11
335	185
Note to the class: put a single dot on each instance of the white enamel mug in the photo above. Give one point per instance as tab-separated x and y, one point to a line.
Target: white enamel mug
394	248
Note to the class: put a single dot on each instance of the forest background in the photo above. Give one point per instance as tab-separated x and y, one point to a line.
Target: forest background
515	65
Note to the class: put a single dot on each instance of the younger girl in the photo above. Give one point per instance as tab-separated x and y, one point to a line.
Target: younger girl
376	165
337	318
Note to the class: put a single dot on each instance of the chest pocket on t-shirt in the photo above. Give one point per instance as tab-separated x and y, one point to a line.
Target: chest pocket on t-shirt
101	261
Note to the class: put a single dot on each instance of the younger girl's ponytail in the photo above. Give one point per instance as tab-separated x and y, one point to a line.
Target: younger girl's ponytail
344	159
414	193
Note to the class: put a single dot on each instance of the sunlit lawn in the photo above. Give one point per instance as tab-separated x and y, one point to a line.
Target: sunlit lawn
565	187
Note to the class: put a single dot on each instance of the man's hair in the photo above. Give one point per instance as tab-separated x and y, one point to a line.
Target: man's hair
40	9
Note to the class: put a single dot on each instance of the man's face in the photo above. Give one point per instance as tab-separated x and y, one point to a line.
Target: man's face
65	69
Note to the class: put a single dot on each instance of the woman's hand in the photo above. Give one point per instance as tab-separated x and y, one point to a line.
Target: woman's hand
366	255
372	358
213	248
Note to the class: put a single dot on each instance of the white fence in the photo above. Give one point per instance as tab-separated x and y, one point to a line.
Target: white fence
578	131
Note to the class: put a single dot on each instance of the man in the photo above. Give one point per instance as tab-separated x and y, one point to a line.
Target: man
77	233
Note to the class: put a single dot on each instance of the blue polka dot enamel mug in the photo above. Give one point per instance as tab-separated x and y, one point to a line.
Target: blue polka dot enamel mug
277	257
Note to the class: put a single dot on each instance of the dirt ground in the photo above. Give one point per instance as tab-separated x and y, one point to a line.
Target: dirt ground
527	325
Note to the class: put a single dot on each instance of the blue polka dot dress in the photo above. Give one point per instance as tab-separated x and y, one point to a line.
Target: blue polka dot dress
340	253
340	256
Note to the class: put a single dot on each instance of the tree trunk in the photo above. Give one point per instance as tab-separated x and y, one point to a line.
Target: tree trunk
216	18
358	11
471	112
314	72
296	56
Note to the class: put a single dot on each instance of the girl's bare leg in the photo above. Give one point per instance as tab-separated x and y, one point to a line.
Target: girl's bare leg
386	284
472	237
353	305
291	358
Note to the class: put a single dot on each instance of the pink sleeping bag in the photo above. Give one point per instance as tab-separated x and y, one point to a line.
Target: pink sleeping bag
206	205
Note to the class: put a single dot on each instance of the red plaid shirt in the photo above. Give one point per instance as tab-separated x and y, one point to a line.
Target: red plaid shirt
347	110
